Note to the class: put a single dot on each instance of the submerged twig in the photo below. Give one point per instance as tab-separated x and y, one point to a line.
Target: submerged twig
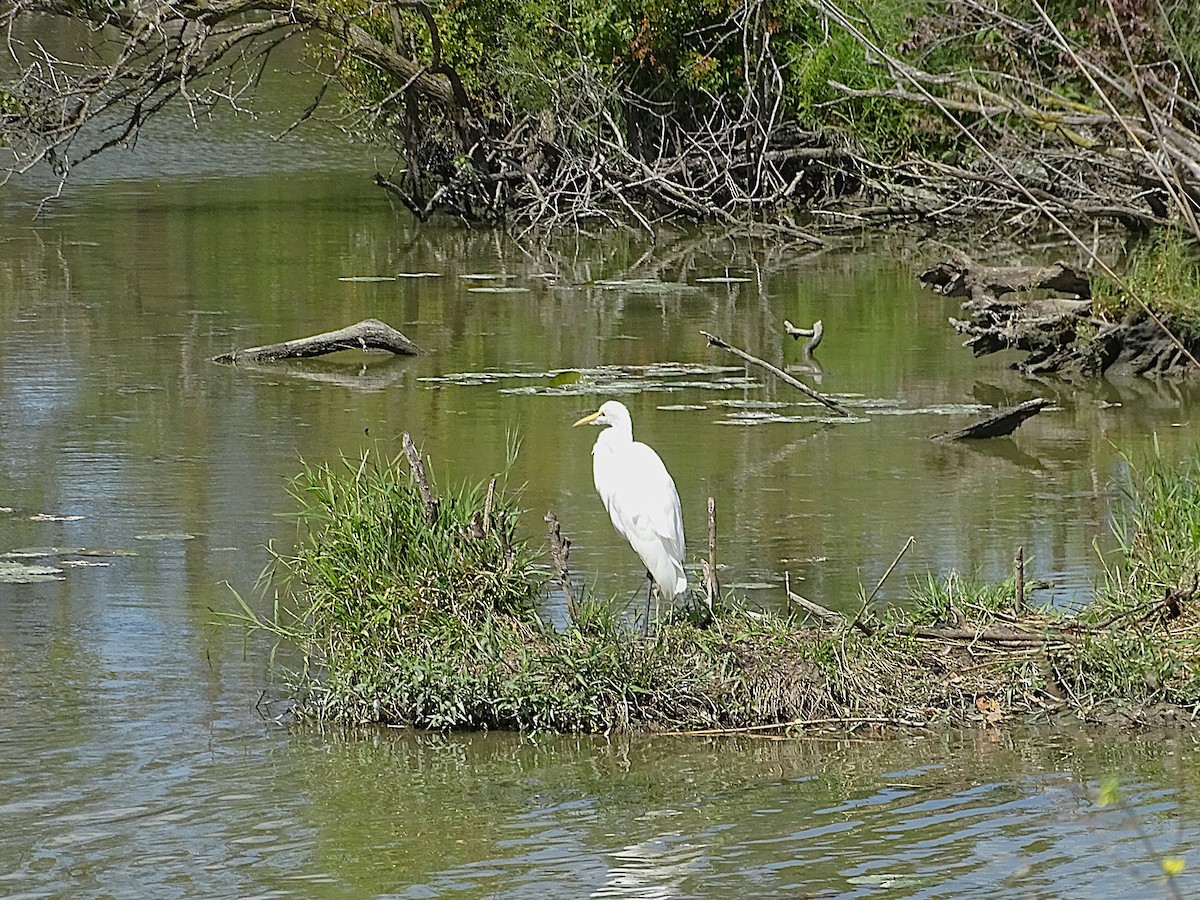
849	721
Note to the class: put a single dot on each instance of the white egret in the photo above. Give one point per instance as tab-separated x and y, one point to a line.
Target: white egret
641	499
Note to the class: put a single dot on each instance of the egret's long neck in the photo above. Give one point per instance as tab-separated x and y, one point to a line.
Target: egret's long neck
619	432
616	435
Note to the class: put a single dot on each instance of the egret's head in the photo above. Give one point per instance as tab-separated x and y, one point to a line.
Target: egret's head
611	412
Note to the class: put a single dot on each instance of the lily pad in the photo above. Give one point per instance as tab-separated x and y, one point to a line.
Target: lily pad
35	552
50	517
418	274
165	536
504	289
747	419
367	278
43	552
889	880
563	378
487	276
724	279
20	573
751	404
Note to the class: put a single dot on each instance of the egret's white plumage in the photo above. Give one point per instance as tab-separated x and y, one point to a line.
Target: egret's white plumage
640	497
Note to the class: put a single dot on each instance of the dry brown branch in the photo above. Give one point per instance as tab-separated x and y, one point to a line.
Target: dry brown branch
990	636
811	606
428	500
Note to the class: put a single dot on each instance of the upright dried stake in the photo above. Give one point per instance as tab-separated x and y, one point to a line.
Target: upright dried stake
418	469
711	586
560	550
1019	567
487	506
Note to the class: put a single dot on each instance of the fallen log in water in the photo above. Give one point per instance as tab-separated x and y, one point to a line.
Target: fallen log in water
1004	422
961	276
369	334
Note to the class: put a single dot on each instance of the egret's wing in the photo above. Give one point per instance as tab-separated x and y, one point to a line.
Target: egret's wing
646	504
658	502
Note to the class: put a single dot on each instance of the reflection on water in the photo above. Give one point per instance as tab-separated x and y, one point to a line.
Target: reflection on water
324	814
136	759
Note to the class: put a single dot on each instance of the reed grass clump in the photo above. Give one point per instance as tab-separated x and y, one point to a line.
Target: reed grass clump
1143	646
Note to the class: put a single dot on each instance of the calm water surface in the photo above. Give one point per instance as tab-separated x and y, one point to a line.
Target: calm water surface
135	756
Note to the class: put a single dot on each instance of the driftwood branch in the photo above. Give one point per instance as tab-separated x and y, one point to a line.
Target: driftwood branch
813	334
369	334
810	606
1004	422
831	404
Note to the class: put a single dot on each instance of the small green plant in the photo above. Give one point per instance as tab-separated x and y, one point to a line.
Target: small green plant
1164	271
1143	644
937	600
387	601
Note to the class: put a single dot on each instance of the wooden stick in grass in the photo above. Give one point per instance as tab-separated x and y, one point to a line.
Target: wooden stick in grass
710	565
1019	576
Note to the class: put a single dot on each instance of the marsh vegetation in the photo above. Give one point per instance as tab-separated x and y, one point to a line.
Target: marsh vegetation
439	621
